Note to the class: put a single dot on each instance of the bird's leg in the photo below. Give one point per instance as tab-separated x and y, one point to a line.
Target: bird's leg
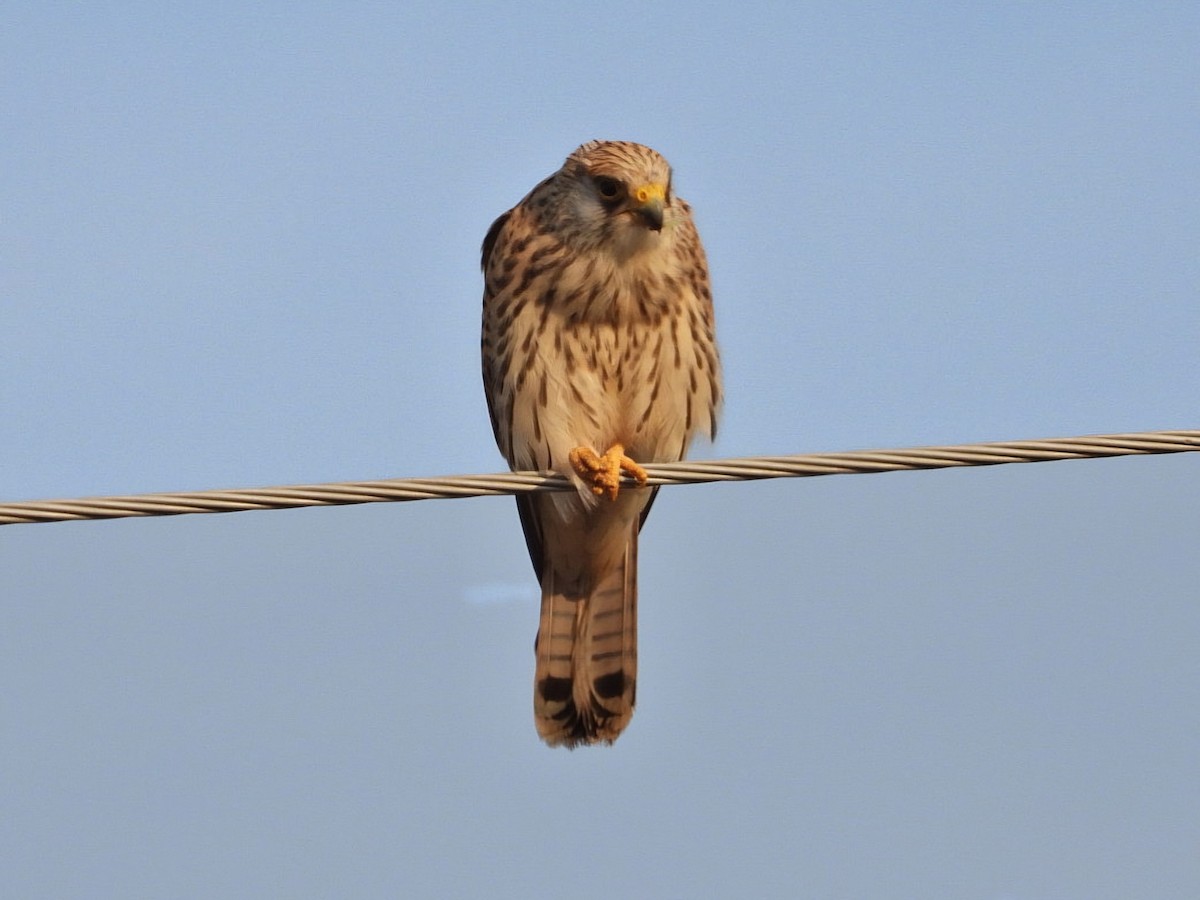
603	473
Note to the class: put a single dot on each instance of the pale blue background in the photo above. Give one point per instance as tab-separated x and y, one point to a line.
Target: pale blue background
239	247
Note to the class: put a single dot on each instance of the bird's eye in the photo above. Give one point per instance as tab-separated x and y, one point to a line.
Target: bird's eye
608	188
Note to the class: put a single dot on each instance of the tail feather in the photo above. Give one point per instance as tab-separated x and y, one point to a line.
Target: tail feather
585	683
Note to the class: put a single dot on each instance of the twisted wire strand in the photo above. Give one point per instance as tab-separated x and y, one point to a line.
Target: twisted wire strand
687	472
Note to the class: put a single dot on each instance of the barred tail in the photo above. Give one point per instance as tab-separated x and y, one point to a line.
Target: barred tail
584	686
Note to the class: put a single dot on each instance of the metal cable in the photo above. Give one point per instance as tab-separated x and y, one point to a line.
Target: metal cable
687	472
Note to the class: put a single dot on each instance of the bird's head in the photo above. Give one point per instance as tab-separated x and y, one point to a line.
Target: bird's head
618	194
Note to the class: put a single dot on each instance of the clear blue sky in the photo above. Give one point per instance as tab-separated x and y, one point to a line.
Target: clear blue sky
239	246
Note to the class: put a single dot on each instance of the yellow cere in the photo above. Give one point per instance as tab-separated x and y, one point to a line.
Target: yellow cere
648	192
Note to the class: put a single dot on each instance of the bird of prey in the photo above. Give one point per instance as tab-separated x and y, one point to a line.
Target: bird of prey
599	353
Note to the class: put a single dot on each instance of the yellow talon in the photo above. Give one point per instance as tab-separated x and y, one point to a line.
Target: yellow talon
603	473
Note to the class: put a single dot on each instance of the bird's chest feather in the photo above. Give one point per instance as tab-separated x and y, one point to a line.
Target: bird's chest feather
611	337
619	381
605	357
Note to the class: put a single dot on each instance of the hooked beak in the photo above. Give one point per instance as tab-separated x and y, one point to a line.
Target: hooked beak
648	202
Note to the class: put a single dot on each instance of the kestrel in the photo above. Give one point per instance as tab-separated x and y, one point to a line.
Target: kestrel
599	353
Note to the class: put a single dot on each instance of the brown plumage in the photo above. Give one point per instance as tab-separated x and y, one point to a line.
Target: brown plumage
598	352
